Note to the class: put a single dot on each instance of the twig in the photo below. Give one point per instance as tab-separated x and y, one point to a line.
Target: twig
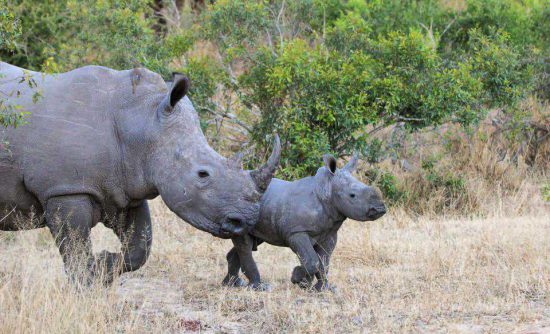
230	117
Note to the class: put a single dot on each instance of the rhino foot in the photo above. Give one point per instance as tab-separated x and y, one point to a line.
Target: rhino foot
301	277
107	266
321	286
234	282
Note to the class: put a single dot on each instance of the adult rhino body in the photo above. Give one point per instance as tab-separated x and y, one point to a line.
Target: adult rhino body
97	145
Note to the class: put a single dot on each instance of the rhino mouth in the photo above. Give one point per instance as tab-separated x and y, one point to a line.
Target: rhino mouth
233	226
226	228
376	212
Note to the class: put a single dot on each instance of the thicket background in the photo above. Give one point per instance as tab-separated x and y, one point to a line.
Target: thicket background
446	100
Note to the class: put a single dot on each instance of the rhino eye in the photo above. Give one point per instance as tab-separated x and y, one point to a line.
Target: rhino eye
203	174
352	195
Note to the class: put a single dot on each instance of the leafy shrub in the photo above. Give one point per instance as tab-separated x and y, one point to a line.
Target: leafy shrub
388	185
321	97
10	30
62	35
325	75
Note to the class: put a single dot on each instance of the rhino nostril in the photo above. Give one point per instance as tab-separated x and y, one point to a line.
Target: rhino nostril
376	212
234	226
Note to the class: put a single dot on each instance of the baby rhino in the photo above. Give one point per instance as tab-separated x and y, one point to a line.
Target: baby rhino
305	215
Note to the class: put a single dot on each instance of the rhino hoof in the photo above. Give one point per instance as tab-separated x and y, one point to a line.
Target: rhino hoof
234	282
322	287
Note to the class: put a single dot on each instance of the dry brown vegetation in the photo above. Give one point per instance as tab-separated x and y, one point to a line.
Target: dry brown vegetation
397	274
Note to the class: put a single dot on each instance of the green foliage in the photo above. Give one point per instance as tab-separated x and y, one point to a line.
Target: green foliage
388	185
325	75
519	19
10	114
115	33
500	67
9	27
62	35
205	77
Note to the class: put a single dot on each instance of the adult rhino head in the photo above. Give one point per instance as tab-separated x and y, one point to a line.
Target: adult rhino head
97	145
210	192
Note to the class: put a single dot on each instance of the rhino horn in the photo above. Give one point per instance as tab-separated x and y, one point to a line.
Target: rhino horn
236	161
352	164
263	175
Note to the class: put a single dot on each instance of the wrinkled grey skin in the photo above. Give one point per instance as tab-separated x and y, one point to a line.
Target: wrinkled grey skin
97	145
305	215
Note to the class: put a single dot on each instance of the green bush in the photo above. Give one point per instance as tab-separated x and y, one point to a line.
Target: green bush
10	30
325	75
322	90
388	185
62	35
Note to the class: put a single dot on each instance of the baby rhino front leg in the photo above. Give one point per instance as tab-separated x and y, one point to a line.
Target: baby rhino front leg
324	251
301	244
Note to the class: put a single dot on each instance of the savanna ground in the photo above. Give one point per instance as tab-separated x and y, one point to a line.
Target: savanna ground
398	274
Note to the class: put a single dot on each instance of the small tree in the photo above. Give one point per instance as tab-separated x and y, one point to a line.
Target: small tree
326	75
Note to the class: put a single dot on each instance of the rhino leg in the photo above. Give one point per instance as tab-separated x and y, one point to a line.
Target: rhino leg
324	251
301	277
233	267
69	219
243	245
135	233
301	244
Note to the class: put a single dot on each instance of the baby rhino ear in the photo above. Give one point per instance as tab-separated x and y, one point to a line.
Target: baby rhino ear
330	163
324	178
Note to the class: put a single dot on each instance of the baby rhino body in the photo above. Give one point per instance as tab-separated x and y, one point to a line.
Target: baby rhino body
305	215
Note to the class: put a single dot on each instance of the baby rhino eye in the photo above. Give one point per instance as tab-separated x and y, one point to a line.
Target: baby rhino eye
352	195
203	174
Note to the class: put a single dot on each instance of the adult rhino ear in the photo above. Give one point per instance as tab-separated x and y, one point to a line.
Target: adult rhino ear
330	163
352	164
180	88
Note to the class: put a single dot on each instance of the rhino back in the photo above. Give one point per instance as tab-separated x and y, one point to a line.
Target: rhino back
287	208
69	144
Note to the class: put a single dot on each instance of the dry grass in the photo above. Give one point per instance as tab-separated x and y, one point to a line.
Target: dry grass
484	173
393	275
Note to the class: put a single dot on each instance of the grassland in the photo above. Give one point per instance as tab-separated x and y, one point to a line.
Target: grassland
398	274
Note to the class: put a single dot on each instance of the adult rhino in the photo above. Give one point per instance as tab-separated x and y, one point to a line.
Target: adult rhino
98	144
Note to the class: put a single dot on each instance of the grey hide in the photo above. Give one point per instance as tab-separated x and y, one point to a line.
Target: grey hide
305	215
98	144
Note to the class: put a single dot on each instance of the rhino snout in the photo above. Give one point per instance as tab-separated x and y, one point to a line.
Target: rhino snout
376	212
233	226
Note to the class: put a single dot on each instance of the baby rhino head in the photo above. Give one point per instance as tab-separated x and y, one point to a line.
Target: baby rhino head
346	194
